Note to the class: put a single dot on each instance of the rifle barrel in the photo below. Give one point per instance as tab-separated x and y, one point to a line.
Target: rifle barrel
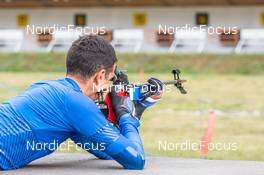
173	82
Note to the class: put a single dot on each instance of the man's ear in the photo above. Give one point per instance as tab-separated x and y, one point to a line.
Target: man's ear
99	77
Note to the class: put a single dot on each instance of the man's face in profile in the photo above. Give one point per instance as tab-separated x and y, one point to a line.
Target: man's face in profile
102	82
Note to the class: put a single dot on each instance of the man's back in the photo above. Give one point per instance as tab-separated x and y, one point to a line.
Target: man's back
32	119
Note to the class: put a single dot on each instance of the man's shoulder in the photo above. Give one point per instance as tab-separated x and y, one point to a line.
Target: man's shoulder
61	85
52	91
75	97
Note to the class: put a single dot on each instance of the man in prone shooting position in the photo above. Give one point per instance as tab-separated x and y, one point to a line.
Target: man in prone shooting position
56	110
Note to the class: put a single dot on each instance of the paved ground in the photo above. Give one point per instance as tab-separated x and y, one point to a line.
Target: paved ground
77	164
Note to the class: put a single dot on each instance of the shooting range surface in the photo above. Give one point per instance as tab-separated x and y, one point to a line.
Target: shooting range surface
60	163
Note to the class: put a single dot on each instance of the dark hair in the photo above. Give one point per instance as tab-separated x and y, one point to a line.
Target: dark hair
89	54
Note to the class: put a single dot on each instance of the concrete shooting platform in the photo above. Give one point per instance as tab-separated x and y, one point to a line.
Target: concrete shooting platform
78	164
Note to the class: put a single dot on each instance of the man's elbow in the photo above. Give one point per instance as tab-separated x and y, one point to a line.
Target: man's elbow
130	161
141	164
137	164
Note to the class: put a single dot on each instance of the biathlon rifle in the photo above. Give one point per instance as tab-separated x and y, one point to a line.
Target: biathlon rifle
134	91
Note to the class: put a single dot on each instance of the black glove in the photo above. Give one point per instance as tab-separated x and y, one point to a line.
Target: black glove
121	104
150	98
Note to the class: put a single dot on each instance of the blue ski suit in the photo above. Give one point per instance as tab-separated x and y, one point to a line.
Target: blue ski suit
55	110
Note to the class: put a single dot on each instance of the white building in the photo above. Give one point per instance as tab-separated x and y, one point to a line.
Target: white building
130	14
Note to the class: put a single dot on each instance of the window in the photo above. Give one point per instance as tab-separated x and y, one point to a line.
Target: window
202	19
80	20
22	20
262	19
140	19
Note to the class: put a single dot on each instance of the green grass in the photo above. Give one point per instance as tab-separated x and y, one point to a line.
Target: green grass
245	132
165	122
225	92
161	63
